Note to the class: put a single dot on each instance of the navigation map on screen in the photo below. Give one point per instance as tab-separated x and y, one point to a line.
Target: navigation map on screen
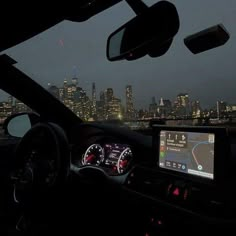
187	152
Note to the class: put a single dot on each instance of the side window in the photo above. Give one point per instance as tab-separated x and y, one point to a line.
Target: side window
9	106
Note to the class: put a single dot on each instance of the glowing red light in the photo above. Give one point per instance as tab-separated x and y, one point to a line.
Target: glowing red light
123	163
176	192
185	194
159	222
90	158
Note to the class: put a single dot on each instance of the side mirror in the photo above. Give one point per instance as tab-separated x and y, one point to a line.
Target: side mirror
18	124
150	33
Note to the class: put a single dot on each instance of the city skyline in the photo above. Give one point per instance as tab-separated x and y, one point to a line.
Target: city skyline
123	98
107	106
128	90
120	92
122	95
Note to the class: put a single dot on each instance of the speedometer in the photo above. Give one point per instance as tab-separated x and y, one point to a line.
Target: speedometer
94	155
124	160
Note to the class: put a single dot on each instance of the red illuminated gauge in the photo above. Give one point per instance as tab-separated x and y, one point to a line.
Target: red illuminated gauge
124	160
94	155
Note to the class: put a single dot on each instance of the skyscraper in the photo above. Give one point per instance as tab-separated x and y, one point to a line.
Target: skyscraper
183	99
153	108
102	97
65	85
112	106
109	94
61	94
75	81
101	109
129	102
10	100
93	106
161	102
114	109
183	105
196	109
164	108
221	108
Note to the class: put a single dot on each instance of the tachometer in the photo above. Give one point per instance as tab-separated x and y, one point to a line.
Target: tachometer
94	155
124	160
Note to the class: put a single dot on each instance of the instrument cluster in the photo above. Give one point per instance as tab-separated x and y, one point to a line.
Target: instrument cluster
113	157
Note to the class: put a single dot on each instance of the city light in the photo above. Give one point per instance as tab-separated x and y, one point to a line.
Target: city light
107	106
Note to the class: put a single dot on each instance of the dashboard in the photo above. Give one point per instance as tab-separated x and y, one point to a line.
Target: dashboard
113	158
187	169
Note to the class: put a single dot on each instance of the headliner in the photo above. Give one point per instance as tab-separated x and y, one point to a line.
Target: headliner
26	22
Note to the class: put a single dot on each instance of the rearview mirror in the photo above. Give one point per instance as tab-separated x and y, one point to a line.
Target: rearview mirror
150	33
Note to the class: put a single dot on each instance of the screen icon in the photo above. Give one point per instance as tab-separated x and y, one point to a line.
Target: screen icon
162	148
162	154
199	167
168	164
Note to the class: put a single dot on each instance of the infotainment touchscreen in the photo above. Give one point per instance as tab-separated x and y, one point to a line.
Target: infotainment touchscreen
188	152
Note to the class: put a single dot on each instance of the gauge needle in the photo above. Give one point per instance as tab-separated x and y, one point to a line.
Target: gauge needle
90	158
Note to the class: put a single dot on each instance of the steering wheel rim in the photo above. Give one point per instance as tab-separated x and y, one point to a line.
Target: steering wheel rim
30	157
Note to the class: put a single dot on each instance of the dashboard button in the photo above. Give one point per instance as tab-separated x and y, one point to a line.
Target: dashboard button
186	194
176	192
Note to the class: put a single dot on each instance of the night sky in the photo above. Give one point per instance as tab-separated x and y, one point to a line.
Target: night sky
79	49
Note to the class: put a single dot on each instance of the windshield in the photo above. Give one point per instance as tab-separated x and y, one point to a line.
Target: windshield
70	61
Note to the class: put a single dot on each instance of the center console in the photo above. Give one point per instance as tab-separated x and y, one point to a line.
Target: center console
190	172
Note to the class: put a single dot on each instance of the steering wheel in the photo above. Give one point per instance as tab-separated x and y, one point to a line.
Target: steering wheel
42	164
